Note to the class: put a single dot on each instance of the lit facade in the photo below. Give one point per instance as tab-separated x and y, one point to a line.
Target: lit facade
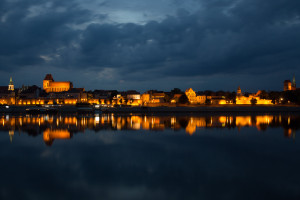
49	85
11	86
243	100
193	98
288	85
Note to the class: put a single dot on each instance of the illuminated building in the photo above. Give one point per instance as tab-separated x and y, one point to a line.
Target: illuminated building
158	97
193	98
239	91
133	98
145	98
191	95
49	85
11	86
217	100
241	99
288	85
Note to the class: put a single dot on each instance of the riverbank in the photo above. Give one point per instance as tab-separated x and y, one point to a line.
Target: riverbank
162	109
205	109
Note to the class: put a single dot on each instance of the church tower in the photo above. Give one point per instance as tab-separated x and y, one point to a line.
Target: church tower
294	83
47	81
239	91
11	86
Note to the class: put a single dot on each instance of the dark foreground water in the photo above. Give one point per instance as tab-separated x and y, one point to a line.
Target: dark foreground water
150	157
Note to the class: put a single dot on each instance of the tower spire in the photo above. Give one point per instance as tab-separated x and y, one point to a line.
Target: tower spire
11	86
294	81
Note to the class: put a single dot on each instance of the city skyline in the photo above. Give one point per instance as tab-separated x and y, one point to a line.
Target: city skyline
140	45
41	85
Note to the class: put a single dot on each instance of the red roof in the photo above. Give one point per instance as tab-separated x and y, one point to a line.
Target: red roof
49	77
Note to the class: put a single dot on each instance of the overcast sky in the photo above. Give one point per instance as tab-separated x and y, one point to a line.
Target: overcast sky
157	44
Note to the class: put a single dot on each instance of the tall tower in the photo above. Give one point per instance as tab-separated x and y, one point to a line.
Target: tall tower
47	81
294	83
239	91
11	86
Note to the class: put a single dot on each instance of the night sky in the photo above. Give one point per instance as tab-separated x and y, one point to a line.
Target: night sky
157	44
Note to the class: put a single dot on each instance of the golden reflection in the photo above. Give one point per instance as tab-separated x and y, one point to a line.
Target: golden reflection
50	135
11	135
59	127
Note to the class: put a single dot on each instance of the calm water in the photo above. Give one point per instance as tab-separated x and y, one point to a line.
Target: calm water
150	157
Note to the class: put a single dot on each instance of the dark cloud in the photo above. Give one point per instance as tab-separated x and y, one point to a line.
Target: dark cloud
195	44
25	38
222	37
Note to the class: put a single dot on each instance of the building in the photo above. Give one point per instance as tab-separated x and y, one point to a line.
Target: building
191	95
176	98
145	98
158	97
239	91
8	94
241	99
11	86
49	85
288	85
194	98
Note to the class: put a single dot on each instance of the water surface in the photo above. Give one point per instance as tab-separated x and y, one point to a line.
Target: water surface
150	157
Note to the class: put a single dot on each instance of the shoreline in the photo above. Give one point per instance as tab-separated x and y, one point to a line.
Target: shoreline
165	109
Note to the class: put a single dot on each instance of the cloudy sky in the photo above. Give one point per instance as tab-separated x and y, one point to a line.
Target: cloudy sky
157	44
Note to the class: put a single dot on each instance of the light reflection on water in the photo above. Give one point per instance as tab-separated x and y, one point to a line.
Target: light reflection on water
62	127
150	157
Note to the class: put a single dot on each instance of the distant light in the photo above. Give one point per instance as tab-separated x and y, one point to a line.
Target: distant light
6	106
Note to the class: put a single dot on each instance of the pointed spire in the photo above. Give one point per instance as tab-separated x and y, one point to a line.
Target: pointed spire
294	81
10	81
11	86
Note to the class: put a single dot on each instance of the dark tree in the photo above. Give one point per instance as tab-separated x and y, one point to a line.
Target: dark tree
253	101
207	101
275	96
231	96
264	95
176	91
183	99
167	98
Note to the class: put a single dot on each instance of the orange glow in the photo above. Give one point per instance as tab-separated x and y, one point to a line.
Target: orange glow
222	119
135	122
193	98
70	101
222	102
51	86
49	135
190	129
